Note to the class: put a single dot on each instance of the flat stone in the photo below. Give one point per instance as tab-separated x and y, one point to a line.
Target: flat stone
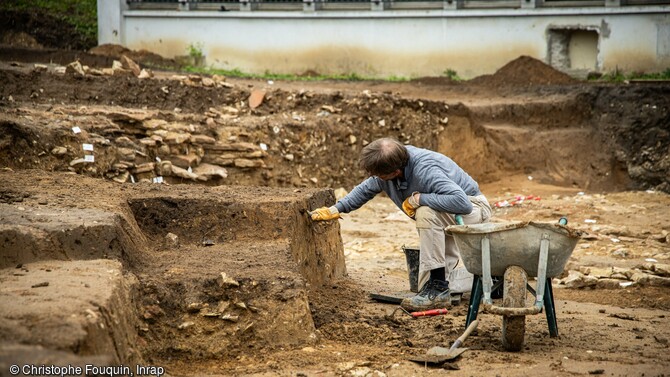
662	269
129	64
124	141
95	72
145	167
230	110
158	133
122	165
176	137
576	279
650	280
75	68
627	272
149	142
122	178
219	160
202	139
608	284
225	280
246	163
151	124
183	173
145	74
126	117
180	127
235	147
218	78
58	151
127	154
172	240
207	171
78	161
185	161
597	272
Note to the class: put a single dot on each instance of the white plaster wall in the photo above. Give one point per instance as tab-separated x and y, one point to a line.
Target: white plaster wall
400	43
110	21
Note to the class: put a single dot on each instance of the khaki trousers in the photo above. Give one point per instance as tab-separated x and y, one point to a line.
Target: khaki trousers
437	248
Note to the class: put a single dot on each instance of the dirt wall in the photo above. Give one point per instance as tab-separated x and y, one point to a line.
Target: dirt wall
218	268
313	139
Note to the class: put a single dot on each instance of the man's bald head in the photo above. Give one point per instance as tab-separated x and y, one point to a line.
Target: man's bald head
383	156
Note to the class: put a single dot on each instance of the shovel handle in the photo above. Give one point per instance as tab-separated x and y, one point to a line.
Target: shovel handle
428	313
461	339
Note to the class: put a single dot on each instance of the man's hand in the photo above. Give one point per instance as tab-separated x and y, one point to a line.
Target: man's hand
410	204
325	213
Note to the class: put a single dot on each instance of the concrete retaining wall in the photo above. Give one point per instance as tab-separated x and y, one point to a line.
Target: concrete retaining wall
407	43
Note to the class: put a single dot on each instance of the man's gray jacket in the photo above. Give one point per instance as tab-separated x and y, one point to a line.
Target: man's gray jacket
443	185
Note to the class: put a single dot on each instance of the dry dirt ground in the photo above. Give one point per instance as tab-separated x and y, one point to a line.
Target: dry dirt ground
596	153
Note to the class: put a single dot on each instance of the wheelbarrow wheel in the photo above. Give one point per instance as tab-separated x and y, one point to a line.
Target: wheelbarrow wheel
514	296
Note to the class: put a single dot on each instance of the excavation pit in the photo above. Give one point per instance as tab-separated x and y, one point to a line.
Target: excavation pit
237	280
245	287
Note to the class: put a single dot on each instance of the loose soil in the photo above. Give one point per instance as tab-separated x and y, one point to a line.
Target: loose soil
596	152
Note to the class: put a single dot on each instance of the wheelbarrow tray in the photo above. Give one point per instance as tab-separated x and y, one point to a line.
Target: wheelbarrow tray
515	243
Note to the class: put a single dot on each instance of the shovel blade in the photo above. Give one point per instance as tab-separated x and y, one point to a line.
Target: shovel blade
438	355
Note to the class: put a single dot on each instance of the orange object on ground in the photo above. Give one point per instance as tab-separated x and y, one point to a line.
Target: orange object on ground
428	313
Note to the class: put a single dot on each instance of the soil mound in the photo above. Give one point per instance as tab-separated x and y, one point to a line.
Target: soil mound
143	57
524	70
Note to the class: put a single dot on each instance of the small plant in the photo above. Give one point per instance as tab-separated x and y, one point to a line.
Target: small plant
450	73
395	78
195	50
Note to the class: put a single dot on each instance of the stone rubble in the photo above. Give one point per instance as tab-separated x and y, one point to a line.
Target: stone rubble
147	147
648	274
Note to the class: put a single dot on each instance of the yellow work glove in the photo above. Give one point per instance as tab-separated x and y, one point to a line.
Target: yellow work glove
410	204
325	213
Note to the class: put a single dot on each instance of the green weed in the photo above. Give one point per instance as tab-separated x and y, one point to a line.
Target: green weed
236	72
195	50
618	76
81	14
450	73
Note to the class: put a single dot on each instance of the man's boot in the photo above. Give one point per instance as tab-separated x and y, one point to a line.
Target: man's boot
434	295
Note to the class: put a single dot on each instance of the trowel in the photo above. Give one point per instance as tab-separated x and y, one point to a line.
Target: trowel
439	355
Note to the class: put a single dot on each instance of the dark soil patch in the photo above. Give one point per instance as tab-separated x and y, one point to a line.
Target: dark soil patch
435	80
47	30
55	56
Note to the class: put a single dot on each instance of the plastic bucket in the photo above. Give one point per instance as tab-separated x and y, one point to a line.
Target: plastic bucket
412	258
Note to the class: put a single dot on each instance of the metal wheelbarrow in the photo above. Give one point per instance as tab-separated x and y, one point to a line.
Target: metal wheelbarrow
514	251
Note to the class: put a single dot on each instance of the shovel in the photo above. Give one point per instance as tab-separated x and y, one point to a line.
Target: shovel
440	355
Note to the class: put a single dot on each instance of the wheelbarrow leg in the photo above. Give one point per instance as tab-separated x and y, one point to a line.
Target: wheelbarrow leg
550	310
475	300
